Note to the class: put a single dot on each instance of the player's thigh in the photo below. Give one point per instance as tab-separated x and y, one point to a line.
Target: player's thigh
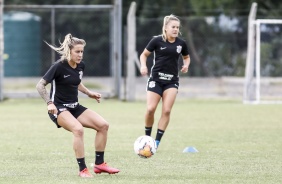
92	119
68	121
169	96
152	100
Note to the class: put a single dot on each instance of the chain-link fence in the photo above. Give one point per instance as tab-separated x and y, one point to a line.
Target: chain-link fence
217	44
25	33
26	28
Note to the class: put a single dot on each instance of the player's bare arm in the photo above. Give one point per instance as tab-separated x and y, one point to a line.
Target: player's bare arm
143	60
43	93
42	90
83	89
91	94
186	63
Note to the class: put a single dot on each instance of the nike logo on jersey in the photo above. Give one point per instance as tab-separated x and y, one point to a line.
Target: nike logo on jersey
162	48
65	76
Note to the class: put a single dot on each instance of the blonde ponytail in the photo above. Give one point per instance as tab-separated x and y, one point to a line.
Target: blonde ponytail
65	47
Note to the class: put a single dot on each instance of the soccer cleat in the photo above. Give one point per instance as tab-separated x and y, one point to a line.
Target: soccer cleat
98	169
85	173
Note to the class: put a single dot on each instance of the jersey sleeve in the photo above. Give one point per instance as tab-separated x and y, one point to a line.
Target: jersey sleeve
185	50
83	65
152	44
50	74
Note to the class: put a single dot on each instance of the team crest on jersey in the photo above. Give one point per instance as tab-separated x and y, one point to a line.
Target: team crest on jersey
152	84
80	75
178	48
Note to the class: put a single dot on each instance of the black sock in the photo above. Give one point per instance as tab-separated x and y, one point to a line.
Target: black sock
81	163
159	135
148	131
99	157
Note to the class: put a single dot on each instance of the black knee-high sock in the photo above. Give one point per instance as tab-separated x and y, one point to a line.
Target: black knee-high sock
148	131
159	135
81	163
99	157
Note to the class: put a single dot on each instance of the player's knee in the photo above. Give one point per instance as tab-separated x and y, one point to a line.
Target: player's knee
104	127
151	111
78	131
166	112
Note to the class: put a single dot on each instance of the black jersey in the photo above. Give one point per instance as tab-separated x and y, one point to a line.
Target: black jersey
64	82
166	55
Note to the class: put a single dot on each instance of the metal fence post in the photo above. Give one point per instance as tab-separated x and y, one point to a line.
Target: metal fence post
1	50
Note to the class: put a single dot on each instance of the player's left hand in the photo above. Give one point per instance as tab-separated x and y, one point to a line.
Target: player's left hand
96	96
184	69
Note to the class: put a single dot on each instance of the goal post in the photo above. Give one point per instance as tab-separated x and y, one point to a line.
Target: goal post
259	22
252	86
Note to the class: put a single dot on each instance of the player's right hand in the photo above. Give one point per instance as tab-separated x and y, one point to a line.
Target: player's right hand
143	70
52	109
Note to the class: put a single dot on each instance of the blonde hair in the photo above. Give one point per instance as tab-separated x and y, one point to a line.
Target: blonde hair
167	19
65	48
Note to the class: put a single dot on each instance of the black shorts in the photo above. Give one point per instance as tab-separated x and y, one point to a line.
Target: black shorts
159	87
75	111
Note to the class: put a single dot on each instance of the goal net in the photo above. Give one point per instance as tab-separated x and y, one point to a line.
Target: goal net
263	74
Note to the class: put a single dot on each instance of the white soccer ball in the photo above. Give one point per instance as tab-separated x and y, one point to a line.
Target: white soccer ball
145	146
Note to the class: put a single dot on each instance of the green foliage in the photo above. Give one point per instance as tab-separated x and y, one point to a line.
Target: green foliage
215	51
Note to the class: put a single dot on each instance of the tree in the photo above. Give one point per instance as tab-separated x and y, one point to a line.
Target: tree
216	30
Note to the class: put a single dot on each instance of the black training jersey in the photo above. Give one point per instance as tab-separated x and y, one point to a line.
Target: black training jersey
166	55
64	81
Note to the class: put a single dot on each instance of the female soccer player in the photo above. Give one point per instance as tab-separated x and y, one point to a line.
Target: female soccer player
164	79
63	108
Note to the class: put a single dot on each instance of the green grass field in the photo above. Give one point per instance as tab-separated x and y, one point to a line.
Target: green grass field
237	144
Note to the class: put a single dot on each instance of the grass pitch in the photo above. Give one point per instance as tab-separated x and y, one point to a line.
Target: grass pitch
237	144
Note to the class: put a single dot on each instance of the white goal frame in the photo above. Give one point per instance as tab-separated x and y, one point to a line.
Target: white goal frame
252	94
